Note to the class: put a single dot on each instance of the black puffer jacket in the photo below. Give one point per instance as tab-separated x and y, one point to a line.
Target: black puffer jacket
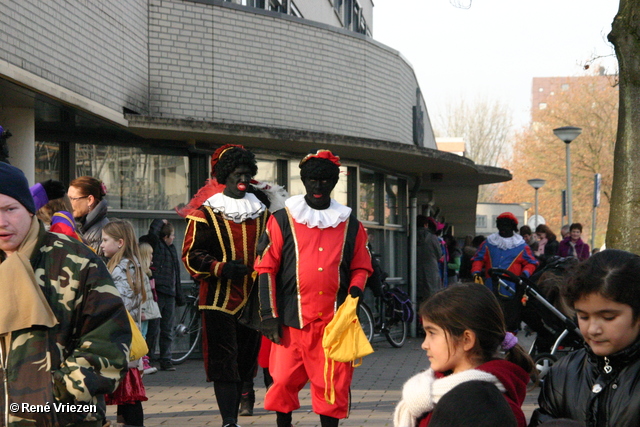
579	387
166	263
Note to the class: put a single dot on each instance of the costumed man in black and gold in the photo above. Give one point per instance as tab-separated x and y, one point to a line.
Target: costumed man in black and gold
218	250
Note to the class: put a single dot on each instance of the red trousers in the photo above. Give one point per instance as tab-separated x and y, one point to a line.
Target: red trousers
298	359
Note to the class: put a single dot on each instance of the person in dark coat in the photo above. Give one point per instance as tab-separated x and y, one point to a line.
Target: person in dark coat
599	385
547	244
168	288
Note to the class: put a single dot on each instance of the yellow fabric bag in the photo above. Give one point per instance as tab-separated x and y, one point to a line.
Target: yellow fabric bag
343	341
138	344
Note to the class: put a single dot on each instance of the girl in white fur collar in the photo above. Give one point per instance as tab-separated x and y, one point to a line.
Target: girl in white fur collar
465	332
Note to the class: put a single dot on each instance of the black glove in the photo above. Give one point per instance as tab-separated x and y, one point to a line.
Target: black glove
355	292
180	300
271	329
234	269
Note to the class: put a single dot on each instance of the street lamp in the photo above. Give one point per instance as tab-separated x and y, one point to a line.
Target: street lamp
568	134
536	183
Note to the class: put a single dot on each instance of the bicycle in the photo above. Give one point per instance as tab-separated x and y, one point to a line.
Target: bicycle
389	320
189	326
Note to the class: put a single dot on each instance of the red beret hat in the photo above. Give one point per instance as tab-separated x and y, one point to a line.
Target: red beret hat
508	215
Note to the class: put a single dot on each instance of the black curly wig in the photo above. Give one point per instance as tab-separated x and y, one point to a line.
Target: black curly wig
319	169
233	158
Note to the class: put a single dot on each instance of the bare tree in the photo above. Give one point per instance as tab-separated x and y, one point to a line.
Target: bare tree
486	126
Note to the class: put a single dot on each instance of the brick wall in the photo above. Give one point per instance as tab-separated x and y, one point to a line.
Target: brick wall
215	62
222	64
97	49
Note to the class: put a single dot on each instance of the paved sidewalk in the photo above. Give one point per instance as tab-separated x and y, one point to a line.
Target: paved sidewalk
184	398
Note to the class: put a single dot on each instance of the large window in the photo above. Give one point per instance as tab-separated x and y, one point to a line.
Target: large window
136	180
47	161
383	211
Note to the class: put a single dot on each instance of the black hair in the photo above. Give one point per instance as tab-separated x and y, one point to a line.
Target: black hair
233	158
613	273
319	169
477	241
421	220
575	226
525	229
166	230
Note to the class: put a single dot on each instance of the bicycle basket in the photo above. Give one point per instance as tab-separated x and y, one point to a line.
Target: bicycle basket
402	308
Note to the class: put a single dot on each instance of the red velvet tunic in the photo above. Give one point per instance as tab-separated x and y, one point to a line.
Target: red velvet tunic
309	279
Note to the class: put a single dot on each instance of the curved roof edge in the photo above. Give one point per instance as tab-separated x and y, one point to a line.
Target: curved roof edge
449	168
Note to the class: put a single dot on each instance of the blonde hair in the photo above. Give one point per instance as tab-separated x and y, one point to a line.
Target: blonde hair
123	229
146	255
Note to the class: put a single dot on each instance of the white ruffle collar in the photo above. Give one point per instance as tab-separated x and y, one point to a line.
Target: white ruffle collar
505	243
324	218
236	210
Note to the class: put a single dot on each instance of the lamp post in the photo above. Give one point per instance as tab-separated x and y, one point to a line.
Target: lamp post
536	183
568	134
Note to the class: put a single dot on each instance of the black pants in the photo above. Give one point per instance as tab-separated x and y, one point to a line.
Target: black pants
230	349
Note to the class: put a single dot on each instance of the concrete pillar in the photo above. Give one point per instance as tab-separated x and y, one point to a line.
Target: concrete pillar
22	144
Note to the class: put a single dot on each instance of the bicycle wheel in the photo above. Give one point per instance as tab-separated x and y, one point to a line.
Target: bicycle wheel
366	320
395	329
189	328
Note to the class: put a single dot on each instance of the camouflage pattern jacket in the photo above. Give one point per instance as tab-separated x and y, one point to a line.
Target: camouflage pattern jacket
56	368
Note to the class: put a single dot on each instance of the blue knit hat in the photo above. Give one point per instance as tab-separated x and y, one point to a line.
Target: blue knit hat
14	184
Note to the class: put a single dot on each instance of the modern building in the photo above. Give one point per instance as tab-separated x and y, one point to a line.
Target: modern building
544	89
487	214
139	93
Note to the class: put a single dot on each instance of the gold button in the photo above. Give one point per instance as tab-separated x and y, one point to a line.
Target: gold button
320	249
319	314
319	268
320	293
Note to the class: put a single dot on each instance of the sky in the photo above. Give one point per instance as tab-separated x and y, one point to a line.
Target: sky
496	47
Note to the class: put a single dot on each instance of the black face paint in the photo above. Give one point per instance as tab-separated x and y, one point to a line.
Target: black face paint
505	228
319	191
237	182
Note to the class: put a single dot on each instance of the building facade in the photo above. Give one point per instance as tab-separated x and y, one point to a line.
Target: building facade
139	93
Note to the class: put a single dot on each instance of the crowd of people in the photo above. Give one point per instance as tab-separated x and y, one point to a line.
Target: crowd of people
272	270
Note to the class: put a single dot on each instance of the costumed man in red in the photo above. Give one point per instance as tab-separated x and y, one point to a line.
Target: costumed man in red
224	223
313	253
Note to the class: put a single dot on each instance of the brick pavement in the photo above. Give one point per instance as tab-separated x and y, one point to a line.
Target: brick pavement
184	398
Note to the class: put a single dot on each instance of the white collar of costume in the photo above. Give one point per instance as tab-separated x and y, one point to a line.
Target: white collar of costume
322	218
236	210
505	243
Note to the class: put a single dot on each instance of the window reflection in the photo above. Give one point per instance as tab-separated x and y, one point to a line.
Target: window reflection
368	196
391	200
134	179
47	161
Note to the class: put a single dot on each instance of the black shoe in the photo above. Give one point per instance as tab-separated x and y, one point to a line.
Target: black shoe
166	365
247	400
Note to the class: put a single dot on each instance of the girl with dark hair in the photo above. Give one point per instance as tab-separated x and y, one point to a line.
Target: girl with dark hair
465	334
89	208
547	244
599	385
